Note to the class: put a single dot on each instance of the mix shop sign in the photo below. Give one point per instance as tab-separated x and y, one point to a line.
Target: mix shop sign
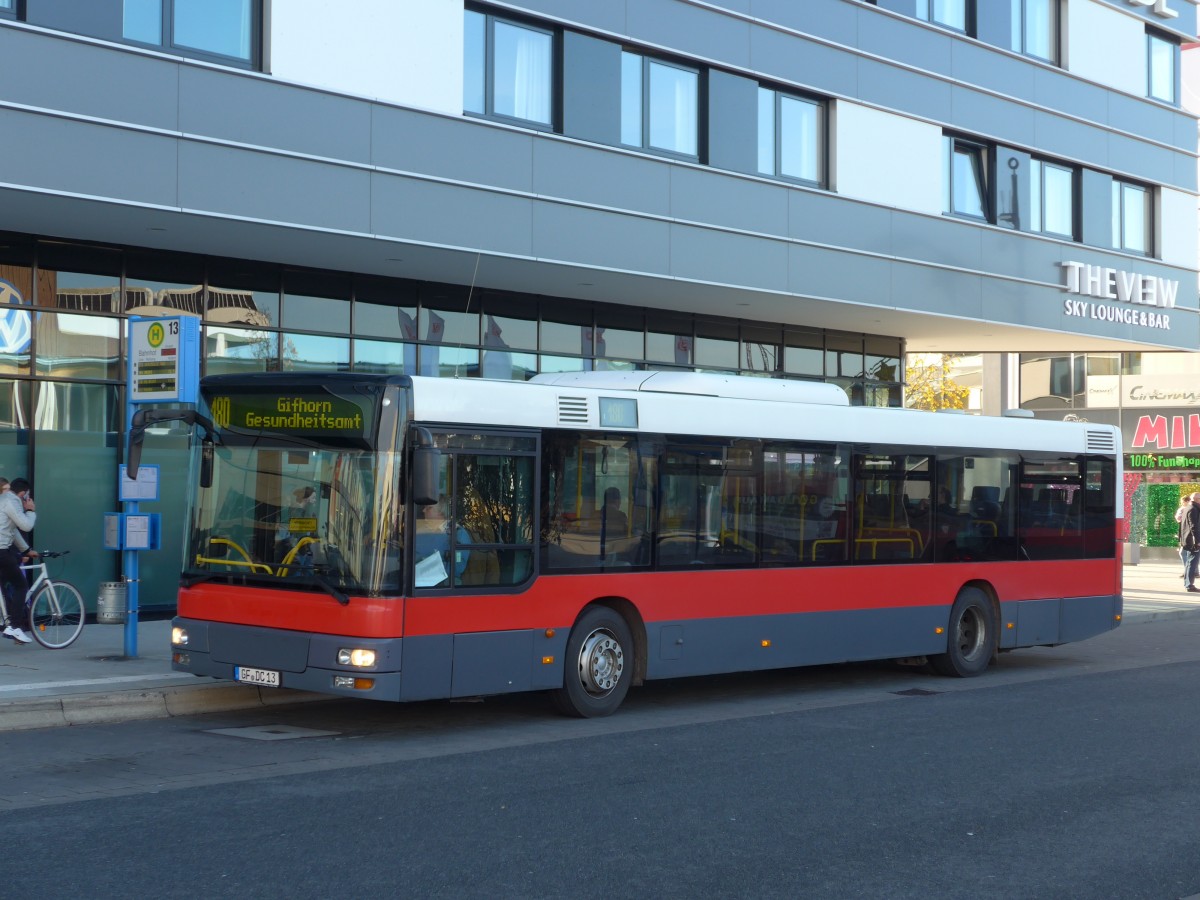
1159	441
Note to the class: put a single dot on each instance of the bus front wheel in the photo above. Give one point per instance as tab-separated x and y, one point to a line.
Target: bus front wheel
599	665
971	636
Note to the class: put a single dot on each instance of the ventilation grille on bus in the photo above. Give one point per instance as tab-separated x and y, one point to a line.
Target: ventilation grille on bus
572	410
1101	442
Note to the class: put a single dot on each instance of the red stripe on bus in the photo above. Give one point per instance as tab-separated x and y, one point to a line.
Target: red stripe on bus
555	600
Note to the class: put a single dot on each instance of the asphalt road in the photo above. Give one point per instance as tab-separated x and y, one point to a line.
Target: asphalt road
1060	773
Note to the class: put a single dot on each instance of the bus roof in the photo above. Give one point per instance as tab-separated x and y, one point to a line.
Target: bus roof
738	387
736	406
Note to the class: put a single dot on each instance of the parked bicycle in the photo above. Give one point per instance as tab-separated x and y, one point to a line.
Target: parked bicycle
56	612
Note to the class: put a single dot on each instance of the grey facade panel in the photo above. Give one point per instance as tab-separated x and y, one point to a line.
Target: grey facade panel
979	113
803	62
412	141
231	107
821	272
741	203
1144	120
729	202
82	158
939	291
1095	202
834	20
895	87
702	254
1011	255
603	16
600	239
614	179
98	18
1057	90
275	188
691	30
591	88
120	87
928	49
1005	75
904	7
946	240
1014	301
1055	135
829	219
1144	161
432	213
732	122
1185	173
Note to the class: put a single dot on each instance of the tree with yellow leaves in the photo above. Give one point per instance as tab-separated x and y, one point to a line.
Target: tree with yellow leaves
930	385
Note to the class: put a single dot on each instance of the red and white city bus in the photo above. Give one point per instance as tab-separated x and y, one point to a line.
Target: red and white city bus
405	538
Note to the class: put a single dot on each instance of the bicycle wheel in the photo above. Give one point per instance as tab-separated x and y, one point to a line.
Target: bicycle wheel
54	625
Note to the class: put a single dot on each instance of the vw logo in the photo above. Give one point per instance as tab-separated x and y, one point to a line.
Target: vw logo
16	325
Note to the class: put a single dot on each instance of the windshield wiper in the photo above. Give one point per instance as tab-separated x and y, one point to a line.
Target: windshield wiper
331	588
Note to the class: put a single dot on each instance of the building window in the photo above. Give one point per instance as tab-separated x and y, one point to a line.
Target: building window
659	105
1052	202
1131	219
965	187
956	14
1035	28
790	136
6	8
1160	70
223	29
507	69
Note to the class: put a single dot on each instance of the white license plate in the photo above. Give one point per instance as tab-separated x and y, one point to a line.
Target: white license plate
262	677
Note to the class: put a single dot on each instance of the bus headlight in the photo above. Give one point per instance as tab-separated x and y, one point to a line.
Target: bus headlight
179	636
360	657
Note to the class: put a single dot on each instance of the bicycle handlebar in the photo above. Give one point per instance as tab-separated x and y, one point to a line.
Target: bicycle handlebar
52	554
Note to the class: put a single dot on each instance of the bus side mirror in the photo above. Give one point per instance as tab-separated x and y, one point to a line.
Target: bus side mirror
206	463
426	465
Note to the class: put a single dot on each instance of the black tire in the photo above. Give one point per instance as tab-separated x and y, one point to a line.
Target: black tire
598	665
970	636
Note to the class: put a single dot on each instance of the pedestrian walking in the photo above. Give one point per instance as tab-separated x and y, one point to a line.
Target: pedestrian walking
1184	502
1189	540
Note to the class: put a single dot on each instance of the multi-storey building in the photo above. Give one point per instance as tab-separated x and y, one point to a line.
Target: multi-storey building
792	189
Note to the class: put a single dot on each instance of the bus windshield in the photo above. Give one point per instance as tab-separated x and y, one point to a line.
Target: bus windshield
302	493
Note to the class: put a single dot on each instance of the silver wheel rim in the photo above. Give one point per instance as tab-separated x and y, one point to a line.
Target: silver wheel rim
971	632
601	662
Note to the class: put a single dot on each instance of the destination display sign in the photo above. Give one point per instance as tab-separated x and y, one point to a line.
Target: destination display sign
311	413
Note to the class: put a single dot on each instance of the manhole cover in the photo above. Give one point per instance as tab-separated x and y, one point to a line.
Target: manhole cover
915	692
271	732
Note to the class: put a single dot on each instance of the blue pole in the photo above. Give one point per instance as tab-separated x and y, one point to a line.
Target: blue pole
130	556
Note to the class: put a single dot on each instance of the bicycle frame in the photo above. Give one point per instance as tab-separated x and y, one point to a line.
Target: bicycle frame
43	577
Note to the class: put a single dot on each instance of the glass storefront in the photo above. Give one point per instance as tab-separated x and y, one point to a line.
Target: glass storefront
62	342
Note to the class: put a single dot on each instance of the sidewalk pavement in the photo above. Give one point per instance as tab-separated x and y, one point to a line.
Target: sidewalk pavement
93	681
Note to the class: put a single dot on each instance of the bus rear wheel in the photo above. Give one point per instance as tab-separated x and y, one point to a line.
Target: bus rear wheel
971	636
599	665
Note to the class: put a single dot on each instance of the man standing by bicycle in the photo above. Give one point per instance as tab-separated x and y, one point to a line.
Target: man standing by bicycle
16	515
